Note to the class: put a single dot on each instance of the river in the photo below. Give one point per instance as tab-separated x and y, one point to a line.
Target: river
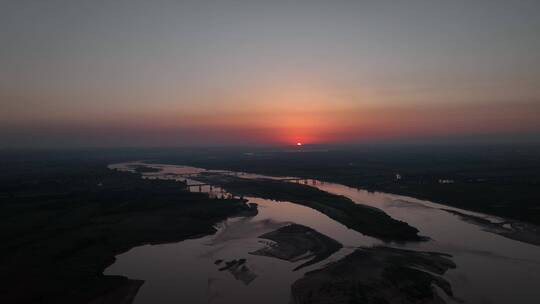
490	267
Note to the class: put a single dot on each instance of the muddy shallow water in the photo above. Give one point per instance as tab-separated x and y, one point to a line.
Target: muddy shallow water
490	268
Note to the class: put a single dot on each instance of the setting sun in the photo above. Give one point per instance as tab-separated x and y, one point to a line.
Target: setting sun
298	143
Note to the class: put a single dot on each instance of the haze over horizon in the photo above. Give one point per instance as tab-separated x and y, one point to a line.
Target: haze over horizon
164	73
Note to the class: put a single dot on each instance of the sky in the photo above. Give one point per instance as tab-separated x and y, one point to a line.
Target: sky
172	73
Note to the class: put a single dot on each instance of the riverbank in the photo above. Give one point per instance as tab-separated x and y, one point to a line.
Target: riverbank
514	230
62	226
364	219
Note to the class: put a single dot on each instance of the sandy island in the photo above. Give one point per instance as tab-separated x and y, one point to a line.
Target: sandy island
296	242
377	275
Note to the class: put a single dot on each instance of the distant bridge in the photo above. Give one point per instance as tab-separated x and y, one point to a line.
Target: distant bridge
305	181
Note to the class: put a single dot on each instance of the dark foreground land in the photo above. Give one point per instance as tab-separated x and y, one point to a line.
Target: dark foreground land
63	222
364	219
376	275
